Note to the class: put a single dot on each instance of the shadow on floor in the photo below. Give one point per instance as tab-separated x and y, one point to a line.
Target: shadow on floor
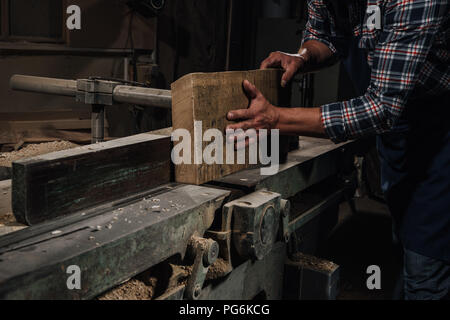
359	241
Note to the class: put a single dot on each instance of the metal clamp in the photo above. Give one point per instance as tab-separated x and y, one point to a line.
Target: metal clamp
206	253
92	91
256	223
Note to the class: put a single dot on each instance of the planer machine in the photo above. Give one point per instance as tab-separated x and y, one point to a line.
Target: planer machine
113	210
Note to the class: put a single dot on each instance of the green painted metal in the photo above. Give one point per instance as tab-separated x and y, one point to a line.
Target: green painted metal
109	248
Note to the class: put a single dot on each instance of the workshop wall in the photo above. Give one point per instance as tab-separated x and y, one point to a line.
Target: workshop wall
107	29
188	35
192	37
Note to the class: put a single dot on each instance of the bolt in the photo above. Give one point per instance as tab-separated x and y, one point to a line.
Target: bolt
211	253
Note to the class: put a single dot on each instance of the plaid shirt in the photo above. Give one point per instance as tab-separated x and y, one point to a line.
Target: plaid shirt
409	58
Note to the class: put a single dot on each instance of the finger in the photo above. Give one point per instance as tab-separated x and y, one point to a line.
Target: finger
239	114
239	135
271	62
241	125
288	74
250	90
265	64
263	134
241	144
244	143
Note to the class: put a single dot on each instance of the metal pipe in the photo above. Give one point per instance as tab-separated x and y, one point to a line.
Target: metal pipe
148	97
126	63
44	85
143	96
98	123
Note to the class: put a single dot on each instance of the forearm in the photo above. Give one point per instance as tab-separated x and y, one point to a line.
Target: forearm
300	121
316	56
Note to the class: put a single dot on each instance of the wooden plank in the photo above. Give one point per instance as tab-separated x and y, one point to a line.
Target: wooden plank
208	97
63	182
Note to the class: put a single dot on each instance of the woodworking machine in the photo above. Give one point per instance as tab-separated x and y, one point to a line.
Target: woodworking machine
96	92
233	238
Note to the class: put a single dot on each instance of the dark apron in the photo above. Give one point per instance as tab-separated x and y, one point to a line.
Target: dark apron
415	164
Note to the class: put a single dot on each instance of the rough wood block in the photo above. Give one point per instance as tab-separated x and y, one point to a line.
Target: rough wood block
64	182
208	97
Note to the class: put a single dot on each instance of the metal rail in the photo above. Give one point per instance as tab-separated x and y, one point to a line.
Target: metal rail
53	86
148	97
143	96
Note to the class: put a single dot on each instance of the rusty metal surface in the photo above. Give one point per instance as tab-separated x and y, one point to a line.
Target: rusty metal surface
316	160
109	247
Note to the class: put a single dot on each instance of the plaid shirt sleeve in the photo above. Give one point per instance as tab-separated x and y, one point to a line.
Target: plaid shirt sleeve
403	46
318	26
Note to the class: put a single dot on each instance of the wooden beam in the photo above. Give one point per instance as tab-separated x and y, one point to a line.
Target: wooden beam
64	182
208	97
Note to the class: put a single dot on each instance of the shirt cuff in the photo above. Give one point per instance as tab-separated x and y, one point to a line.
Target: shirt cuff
333	121
310	36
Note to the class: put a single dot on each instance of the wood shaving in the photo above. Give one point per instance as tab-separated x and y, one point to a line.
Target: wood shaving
32	150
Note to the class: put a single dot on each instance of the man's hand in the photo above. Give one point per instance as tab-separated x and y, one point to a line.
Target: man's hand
290	63
259	115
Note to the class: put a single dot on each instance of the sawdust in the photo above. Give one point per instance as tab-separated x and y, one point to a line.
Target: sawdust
150	284
313	262
32	150
7	219
217	270
146	286
133	289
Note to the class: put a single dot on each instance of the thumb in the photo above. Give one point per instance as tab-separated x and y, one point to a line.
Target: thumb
287	76
250	90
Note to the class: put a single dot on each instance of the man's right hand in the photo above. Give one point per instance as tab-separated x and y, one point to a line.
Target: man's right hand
290	63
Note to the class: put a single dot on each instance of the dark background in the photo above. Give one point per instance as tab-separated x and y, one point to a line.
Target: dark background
157	47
